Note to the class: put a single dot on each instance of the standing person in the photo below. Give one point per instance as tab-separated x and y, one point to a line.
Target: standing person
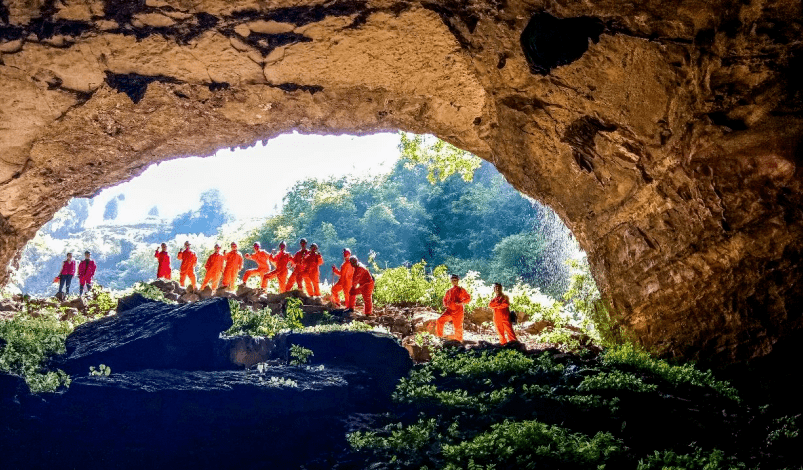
188	261
234	262
66	275
343	284
214	269
280	260
312	271
86	271
298	266
362	283
454	301
262	259
501	306
163	257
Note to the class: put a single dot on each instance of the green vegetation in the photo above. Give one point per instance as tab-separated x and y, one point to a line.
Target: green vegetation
402	218
299	355
30	340
630	357
501	408
441	159
255	322
102	370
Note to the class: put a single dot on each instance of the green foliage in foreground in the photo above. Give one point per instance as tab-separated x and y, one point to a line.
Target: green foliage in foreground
525	444
29	342
299	355
264	322
629	356
483	410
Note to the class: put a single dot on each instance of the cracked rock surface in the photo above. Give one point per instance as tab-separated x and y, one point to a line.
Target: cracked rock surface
667	135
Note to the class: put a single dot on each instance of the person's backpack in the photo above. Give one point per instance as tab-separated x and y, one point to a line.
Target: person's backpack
514	317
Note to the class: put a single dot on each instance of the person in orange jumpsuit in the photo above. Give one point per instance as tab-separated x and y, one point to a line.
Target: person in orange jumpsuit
280	260
234	262
188	262
214	269
298	266
454	301
362	283
501	306
343	284
312	271
163	271
261	257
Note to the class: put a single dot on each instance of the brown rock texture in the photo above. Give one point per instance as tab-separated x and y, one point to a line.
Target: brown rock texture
667	135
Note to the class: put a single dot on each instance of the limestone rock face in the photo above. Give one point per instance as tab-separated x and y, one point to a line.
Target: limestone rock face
667	135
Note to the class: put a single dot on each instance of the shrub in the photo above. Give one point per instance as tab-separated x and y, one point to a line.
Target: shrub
628	355
696	460
521	444
300	355
29	342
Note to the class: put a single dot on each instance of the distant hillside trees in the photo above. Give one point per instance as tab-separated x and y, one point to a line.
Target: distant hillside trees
207	219
416	213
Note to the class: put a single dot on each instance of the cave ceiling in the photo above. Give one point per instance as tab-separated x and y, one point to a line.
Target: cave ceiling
667	135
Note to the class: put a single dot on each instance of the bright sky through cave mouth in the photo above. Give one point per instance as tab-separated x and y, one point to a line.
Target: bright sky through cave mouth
252	181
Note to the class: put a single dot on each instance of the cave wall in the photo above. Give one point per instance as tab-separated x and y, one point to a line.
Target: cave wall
667	135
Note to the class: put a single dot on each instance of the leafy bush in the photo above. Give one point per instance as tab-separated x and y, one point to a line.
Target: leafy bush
585	300
629	356
102	370
254	322
151	292
102	302
699	459
615	381
522	444
411	285
29	342
300	355
294	314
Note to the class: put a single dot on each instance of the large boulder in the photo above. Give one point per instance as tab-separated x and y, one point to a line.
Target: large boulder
236	352
132	301
182	419
153	335
376	354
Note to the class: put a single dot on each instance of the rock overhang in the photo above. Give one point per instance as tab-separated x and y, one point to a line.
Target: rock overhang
666	135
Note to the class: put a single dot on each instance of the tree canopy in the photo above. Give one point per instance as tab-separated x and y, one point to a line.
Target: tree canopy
407	216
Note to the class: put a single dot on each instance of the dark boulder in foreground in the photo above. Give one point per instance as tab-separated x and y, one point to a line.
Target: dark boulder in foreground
132	301
182	419
153	335
178	395
377	354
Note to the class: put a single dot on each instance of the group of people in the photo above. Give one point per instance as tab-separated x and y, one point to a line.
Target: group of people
86	272
223	269
454	302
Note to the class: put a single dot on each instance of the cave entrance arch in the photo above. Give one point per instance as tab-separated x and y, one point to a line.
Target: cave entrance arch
666	136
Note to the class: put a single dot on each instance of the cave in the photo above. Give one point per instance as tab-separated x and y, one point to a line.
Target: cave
666	135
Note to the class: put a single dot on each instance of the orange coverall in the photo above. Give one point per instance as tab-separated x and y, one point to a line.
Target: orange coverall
501	306
454	300
214	269
343	284
298	275
234	262
312	274
280	260
362	283
188	261
261	257
163	271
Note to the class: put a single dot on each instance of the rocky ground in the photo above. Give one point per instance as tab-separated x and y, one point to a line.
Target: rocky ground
413	326
179	393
